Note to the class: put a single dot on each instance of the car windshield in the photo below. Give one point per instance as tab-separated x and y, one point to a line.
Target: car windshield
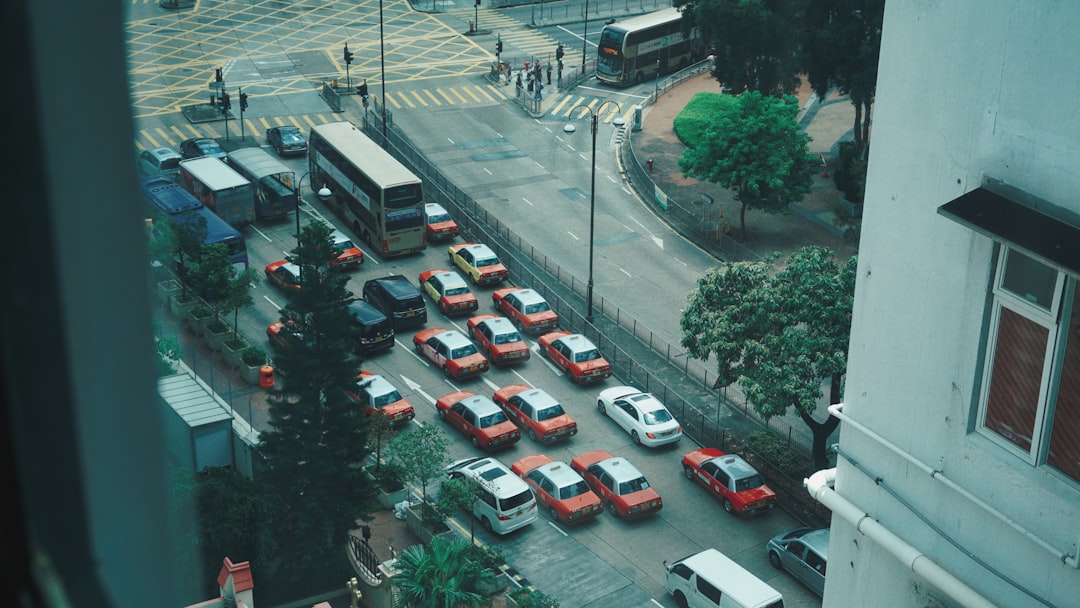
386	399
550	412
657	417
292	137
209	147
507	338
463	351
492	419
571	491
538	307
748	483
634	485
438	217
487	261
457	291
586	355
344	245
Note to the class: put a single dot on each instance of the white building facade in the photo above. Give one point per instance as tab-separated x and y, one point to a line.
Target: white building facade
960	439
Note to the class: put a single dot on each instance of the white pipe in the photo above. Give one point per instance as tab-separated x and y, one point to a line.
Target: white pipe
819	486
1064	556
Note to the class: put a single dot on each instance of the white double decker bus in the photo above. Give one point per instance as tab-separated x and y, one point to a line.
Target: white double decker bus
631	51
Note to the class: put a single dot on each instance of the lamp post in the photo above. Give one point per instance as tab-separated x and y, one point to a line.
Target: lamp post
299	200
382	68
595	116
585	39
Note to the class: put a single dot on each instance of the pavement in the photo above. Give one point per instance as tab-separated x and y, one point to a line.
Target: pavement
810	223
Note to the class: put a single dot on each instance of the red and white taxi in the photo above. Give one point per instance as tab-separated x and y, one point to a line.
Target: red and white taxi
559	489
536	412
479	262
283	274
620	484
499	339
479	419
730	479
526	308
451	351
575	355
448	291
377	396
349	255
439	225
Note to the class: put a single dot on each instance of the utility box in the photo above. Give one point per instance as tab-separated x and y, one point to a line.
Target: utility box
198	428
636	126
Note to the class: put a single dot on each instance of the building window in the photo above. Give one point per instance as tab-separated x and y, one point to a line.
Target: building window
1030	401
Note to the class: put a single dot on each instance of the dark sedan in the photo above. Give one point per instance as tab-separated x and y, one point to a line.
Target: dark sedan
286	140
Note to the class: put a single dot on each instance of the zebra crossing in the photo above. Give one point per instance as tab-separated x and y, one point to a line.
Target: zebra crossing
254	128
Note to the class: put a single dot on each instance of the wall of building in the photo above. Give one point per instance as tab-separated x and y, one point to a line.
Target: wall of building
967	90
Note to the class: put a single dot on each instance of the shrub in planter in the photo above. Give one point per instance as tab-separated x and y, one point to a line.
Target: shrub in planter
527	597
233	349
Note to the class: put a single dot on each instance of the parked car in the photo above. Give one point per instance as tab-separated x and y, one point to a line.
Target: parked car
286	140
283	274
640	414
505	502
201	146
619	484
440	226
559	489
730	479
398	299
374	330
526	308
499	339
479	419
283	336
448	291
478	262
451	352
536	412
576	356
803	553
349	257
378	396
160	161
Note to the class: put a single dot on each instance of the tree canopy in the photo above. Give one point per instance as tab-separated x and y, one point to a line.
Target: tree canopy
441	575
755	148
318	438
777	334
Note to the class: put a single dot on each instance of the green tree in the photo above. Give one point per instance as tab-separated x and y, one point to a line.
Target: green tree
840	49
757	150
221	283
440	575
777	334
317	440
754	42
423	454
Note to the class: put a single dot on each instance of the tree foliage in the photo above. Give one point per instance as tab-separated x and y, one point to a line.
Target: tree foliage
422	453
440	575
757	150
754	42
776	334
221	283
317	440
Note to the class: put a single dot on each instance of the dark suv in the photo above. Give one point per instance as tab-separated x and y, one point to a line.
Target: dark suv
398	299
374	330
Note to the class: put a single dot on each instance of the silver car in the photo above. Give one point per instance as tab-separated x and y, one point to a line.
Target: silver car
160	161
803	553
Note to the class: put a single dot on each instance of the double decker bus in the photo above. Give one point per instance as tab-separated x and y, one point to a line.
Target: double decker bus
169	201
378	197
631	51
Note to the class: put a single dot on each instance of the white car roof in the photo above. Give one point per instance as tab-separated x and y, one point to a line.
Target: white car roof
452	338
481	405
560	473
451	279
620	469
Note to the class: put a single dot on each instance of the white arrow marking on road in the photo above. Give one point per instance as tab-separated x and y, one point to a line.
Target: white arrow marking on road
415	387
272	303
413	353
551	366
659	241
490	384
552	524
573	235
261	234
527	201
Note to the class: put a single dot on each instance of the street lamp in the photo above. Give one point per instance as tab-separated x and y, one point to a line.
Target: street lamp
585	39
595	115
324	192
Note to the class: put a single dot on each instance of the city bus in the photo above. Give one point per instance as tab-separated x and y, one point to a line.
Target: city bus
172	202
631	51
378	197
275	195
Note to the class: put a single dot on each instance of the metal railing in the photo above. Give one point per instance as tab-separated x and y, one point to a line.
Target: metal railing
365	556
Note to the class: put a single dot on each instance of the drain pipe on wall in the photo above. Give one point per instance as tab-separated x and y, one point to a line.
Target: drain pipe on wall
819	485
1066	558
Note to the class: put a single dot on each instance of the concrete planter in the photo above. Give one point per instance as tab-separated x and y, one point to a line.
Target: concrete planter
167	288
232	349
179	303
217	332
853	208
425	530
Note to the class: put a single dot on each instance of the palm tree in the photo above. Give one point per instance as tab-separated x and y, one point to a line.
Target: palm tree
440	575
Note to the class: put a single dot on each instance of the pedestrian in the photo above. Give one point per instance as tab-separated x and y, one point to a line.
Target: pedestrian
539	88
549	73
519	81
530	79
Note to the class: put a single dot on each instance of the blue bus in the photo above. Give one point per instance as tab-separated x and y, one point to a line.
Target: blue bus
179	205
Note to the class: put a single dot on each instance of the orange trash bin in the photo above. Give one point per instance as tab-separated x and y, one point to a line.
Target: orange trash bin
266	376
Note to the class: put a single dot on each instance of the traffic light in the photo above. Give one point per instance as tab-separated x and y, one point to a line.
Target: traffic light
559	52
348	55
243	101
498	46
217	75
225	105
477	2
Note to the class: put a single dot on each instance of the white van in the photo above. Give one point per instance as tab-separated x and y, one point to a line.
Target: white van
710	579
504	501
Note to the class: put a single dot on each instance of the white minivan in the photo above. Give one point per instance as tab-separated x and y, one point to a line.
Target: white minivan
710	579
504	501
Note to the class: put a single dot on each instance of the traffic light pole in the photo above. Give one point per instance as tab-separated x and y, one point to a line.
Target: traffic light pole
243	104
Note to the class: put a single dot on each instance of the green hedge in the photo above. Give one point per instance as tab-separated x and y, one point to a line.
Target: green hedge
774	449
702	111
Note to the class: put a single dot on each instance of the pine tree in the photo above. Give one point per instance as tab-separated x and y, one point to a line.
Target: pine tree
317	442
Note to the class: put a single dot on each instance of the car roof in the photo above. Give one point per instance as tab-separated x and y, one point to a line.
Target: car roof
646	402
723	573
286	128
452	338
620	469
480	250
449	278
481	405
493	475
434	207
538	398
559	473
818	540
499	325
376	385
163	153
734	465
396	284
291	267
365	311
339	236
576	342
528	296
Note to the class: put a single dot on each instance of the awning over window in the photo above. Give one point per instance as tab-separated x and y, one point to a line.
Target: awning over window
1034	227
